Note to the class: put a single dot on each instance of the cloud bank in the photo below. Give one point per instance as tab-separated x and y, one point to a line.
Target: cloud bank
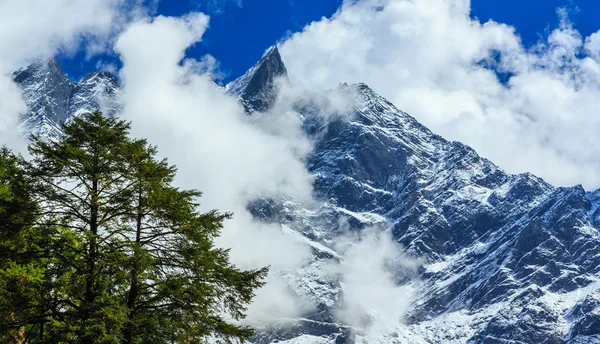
369	274
431	59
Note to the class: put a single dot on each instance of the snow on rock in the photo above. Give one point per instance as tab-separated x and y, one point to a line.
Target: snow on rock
52	99
256	88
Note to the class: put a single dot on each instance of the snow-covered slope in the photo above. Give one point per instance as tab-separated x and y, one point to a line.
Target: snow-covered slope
500	258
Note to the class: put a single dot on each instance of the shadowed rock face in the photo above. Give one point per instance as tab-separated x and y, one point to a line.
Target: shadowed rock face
52	98
256	89
47	90
506	258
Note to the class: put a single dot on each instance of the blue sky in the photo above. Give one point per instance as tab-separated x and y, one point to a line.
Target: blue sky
238	35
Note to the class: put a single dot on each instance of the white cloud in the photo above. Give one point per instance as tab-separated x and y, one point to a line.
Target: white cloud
231	157
10	107
373	263
434	61
38	28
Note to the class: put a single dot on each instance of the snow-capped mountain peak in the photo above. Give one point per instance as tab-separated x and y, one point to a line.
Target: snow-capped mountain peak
97	91
52	98
256	89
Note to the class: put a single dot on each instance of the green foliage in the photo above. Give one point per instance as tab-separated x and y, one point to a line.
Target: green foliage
23	263
102	248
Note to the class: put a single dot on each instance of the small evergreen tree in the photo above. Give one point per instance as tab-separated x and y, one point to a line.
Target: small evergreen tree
135	262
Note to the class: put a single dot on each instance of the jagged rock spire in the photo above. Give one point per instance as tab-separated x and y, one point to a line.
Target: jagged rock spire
46	90
256	89
53	99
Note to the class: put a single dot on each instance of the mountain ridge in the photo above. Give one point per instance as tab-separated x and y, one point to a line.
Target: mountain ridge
504	258
52	98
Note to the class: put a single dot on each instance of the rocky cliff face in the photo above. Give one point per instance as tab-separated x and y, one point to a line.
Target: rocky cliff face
503	258
52	98
256	89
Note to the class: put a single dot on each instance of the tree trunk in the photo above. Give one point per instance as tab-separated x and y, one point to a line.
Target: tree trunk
93	249
133	289
87	308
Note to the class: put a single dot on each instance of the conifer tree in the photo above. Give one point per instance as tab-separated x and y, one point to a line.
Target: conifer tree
179	283
23	263
139	264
